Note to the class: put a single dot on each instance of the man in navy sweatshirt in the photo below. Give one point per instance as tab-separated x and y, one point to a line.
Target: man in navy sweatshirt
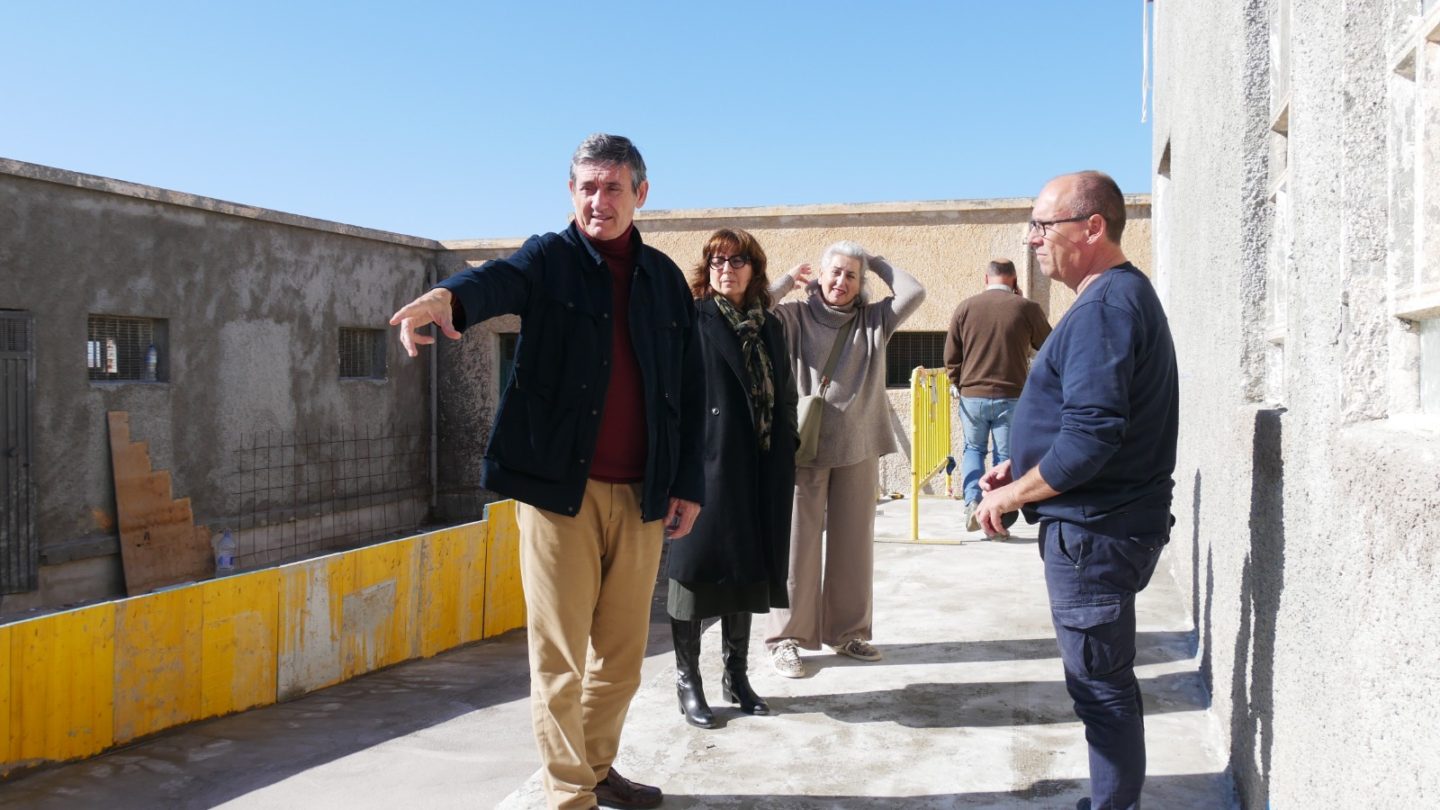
1093	454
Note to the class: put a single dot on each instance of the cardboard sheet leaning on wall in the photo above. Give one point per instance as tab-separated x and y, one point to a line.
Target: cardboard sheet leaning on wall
159	542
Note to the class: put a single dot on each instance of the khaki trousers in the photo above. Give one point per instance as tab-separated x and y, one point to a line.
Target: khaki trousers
588	582
832	557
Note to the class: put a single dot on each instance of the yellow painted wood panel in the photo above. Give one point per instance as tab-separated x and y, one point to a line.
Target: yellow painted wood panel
380	608
157	662
311	600
452	588
5	672
62	680
504	598
472	599
239	642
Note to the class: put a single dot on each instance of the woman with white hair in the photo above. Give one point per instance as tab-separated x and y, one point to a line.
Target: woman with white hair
834	511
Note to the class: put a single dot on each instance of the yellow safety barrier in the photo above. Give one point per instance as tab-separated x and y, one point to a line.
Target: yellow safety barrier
75	683
929	433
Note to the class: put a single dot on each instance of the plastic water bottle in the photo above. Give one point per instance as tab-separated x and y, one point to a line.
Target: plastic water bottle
152	363
225	555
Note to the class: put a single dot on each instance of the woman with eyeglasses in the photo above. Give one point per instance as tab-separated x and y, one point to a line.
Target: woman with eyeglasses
834	512
735	560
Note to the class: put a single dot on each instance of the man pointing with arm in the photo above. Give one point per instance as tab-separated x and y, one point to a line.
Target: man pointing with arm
598	436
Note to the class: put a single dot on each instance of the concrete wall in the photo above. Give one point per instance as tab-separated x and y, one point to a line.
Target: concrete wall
254	301
1308	489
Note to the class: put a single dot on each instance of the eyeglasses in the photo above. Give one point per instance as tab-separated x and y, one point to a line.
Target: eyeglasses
735	262
1043	225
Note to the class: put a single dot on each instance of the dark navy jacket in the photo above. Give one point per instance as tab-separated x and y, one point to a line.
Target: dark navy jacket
544	438
1099	414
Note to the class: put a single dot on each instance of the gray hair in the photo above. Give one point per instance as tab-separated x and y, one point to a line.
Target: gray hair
610	150
845	247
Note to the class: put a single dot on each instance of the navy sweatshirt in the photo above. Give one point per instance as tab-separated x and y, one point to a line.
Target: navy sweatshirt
1099	414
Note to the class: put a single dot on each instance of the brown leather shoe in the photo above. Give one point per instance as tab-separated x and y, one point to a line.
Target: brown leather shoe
617	791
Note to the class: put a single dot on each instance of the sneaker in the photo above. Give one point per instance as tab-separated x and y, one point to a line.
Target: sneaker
785	659
859	649
972	522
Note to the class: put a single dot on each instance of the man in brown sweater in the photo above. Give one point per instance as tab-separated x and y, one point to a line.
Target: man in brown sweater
987	355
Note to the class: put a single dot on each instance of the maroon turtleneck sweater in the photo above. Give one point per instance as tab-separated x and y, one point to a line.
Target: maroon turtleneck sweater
620	449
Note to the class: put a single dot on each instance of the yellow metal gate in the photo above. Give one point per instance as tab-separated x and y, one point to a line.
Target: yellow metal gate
929	433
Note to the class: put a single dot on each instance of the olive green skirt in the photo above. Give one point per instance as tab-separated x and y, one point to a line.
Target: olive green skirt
689	601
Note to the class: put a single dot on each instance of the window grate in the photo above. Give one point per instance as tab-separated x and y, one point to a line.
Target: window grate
508	341
122	348
14	335
362	354
907	350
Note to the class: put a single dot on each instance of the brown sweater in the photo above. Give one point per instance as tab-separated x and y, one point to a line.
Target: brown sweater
987	347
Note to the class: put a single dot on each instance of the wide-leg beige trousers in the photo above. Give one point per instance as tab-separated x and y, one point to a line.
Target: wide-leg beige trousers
588	581
832	557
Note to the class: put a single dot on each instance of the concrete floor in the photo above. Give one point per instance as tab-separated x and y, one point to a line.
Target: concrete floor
967	710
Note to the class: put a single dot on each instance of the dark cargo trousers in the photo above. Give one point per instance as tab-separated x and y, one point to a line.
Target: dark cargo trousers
1092	574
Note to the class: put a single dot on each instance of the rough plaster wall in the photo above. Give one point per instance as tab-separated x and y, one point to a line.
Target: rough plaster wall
1359	613
254	310
1307	538
468	396
1214	272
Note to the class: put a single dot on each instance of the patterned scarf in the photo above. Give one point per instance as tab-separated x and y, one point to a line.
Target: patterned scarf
757	363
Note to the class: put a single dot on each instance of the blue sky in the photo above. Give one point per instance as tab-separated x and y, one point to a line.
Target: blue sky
456	120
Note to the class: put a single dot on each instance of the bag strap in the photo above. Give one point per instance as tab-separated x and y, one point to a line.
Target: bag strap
841	338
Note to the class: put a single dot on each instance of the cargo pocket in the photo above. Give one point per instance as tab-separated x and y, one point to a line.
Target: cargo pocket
1093	641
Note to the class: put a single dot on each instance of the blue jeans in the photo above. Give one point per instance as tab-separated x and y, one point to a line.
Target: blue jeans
981	418
1092	574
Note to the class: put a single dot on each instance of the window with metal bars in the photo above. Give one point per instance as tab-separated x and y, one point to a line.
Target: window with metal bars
907	350
507	357
127	349
362	354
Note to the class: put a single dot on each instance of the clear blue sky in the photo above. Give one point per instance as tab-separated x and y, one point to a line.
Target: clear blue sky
456	120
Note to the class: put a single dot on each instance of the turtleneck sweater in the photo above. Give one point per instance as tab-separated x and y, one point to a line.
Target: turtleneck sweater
621	446
856	421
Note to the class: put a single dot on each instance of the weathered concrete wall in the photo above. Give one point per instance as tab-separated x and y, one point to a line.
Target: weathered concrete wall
469	390
254	301
1307	483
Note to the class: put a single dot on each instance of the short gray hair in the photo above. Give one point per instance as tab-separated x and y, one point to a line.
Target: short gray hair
610	150
845	247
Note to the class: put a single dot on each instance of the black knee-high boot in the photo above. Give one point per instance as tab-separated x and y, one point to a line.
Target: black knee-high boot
735	685
688	688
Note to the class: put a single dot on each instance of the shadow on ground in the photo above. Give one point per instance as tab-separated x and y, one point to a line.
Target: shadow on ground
1178	792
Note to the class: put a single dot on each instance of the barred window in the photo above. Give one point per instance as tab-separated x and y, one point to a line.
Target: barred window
362	354
907	350
127	349
1414	239
507	357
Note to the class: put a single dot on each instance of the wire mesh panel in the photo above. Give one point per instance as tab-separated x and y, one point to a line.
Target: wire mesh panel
19	549
298	494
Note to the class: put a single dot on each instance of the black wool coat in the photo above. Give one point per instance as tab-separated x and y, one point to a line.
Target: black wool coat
742	536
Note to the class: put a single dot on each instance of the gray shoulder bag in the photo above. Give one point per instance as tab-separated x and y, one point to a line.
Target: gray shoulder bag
810	407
